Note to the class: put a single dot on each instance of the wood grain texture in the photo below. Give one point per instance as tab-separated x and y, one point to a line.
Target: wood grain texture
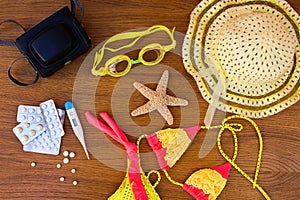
280	170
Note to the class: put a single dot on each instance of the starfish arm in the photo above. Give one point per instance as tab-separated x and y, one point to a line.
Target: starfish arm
163	82
174	101
145	91
146	108
166	114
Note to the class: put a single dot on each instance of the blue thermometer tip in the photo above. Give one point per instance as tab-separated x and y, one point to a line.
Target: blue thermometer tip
69	105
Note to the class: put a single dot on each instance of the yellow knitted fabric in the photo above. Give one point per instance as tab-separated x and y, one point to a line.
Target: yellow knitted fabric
176	141
208	180
125	191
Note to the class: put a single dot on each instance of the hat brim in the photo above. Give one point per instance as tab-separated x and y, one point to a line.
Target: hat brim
255	102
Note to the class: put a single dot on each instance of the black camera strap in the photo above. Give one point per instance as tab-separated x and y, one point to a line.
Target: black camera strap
13	43
10	42
77	3
15	80
74	5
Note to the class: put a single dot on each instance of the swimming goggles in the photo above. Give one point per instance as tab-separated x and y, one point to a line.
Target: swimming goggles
110	67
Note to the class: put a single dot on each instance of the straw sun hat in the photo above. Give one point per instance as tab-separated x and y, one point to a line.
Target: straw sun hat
255	45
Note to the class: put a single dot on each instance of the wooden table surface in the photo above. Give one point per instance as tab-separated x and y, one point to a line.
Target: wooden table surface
99	177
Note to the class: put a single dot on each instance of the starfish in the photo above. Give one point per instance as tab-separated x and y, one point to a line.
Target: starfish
158	99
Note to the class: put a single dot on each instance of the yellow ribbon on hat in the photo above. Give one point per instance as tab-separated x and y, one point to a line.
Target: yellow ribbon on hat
110	65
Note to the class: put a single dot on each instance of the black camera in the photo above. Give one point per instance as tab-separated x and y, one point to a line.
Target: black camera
53	43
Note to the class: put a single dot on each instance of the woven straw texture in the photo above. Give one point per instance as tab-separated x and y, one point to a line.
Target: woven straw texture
256	44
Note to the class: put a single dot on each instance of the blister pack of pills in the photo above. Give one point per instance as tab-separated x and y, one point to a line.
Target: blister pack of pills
44	144
41	127
52	119
30	114
62	115
26	132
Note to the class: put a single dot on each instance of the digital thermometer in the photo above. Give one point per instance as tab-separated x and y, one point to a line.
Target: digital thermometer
75	123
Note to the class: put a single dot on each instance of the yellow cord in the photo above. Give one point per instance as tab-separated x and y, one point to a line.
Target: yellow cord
232	161
171	180
158	177
234	128
139	159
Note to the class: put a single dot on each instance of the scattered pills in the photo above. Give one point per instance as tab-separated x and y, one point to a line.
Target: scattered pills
72	155
33	164
58	166
73	171
66	160
66	153
62	179
75	182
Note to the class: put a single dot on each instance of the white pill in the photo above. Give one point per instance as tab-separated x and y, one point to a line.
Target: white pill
73	171
38	111
72	155
38	119
31	110
23	110
33	164
58	166
65	153
31	118
66	160
44	106
62	179
75	182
